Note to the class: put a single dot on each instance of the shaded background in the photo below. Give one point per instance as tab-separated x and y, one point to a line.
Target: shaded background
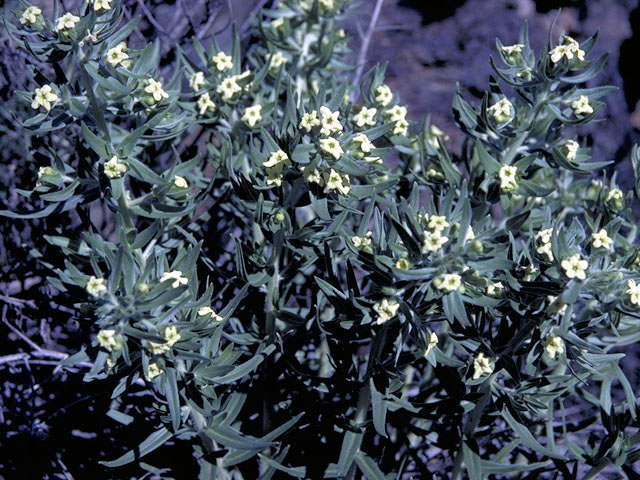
52	425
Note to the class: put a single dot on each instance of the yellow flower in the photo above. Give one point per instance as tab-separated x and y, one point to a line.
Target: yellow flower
309	120
155	89
470	235
222	61
544	235
433	341
274	176
633	290
495	289
336	181
66	22
383	95
553	345
31	15
101	5
45	172
312	175
433	241
568	50
153	370
95	286
438	223
512	50
366	116
277	158
176	276
278	23
208	312
326	4
196	80
114	168
205	104
581	106
482	365
116	55
601	239
401	127
507	175
252	115
572	149
180	182
386	309
575	267
332	147
330	123
501	110
277	60
615	197
365	144
545	249
229	87
449	282
403	264
397	113
108	340
363	243
43	97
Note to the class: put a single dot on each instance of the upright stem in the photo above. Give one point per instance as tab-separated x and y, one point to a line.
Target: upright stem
476	415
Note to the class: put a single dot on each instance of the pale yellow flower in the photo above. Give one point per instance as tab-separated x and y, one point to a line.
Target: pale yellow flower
43	97
403	264
278	23
501	110
512	50
180	182
96	286
575	267
252	115
229	87
365	144
101	5
196	81
205	104
337	181
470	235
386	309
633	290
66	22
449	282
108	340
363	243
495	289
274	176
568	50
401	127
153	370
277	158
555	307
310	120
176	276
507	175
438	223
30	16
544	235
383	95
545	249
332	147
277	60
572	149
208	312
601	239
433	241
312	175
330	123
116	55
553	345
155	89
397	113
114	168
581	106
222	61
366	116
482	365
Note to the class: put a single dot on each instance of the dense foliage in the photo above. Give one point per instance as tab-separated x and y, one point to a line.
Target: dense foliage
311	286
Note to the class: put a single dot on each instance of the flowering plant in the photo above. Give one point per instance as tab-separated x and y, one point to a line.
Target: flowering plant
319	273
